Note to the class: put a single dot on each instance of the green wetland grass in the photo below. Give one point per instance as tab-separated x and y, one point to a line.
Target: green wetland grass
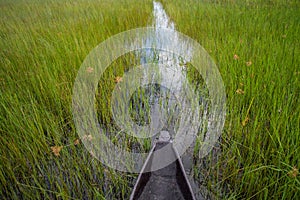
256	47
43	43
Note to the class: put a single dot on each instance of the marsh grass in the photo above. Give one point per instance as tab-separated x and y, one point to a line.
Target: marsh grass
256	47
43	44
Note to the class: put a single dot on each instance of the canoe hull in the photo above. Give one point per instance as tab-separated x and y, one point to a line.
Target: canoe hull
169	182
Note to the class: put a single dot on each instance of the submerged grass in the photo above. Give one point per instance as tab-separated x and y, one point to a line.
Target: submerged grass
43	43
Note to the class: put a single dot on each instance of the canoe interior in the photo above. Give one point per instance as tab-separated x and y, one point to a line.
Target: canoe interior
169	182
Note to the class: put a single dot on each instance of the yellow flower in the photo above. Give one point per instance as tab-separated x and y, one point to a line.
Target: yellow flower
294	172
118	79
87	137
239	91
76	142
249	63
236	57
89	70
56	150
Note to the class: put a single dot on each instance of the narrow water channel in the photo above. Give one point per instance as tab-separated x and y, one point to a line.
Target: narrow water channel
167	91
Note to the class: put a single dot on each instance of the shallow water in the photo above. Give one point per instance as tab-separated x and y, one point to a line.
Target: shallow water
167	99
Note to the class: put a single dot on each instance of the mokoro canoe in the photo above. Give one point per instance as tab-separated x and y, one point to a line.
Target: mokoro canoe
169	183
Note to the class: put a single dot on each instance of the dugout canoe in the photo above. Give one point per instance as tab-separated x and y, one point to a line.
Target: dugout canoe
168	183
